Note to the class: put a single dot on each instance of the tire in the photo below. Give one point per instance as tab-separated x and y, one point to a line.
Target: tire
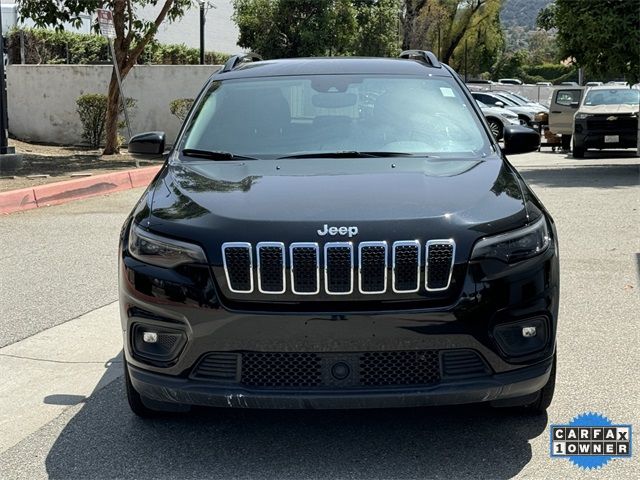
145	407
577	150
496	127
535	403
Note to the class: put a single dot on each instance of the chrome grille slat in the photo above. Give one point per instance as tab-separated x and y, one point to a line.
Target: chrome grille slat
270	261
237	258
372	267
439	260
406	266
339	263
305	268
338	268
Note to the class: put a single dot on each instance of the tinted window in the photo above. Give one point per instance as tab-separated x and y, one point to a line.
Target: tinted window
272	117
567	97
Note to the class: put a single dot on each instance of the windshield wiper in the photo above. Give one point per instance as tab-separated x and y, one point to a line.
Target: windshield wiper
354	154
214	154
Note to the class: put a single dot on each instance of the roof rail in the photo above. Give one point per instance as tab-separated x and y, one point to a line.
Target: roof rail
423	56
236	60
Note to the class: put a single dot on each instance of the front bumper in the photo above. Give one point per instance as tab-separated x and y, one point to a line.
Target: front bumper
501	386
597	140
185	303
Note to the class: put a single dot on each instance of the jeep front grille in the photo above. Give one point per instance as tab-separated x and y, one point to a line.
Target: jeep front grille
343	266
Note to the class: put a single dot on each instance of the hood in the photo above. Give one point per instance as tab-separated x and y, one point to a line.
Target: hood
499	112
290	200
622	108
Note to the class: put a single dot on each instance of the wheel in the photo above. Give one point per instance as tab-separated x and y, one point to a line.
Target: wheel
146	407
577	150
534	403
496	128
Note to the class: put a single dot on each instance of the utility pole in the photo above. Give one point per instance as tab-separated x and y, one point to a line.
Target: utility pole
4	141
202	20
465	60
9	160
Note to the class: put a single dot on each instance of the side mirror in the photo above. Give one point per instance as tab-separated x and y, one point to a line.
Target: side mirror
149	143
575	104
499	104
520	139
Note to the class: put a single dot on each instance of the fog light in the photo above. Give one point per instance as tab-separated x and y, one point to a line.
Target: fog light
152	337
522	337
156	342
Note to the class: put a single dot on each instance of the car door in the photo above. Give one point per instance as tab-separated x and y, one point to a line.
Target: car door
564	104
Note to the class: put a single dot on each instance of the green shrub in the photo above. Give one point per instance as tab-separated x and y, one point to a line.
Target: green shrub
180	107
92	110
53	46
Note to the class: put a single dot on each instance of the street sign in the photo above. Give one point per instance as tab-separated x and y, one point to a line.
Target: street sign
105	20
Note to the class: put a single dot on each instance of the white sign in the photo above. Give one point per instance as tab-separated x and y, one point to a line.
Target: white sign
105	20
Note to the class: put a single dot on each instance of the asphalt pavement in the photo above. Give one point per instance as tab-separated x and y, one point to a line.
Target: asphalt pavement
59	265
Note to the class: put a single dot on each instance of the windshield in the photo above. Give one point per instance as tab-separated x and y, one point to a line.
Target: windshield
283	116
512	98
615	96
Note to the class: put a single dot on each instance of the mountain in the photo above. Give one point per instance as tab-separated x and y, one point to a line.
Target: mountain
518	18
521	13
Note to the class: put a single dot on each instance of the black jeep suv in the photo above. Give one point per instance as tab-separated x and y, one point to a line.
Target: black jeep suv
338	233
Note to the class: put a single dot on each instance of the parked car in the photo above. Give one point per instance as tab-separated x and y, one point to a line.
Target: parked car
498	118
564	103
510	81
606	118
479	81
593	84
526	114
544	84
571	84
522	100
298	251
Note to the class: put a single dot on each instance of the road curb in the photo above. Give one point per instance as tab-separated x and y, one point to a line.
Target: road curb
70	190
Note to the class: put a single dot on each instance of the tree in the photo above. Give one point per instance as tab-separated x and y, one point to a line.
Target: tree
302	28
603	36
443	25
132	35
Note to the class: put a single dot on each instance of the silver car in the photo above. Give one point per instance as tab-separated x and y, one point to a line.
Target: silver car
498	118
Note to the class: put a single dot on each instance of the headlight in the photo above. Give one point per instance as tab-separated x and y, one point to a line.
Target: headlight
162	252
514	246
582	116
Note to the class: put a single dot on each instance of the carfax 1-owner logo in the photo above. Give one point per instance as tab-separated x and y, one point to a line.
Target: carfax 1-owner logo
590	440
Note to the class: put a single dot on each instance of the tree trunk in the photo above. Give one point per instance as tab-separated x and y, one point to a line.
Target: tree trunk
111	124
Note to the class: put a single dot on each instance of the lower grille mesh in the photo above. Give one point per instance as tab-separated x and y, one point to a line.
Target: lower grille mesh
309	370
281	369
399	368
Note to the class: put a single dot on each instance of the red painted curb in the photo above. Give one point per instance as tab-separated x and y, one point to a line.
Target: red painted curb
69	190
13	200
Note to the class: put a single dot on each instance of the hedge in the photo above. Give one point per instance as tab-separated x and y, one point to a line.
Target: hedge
52	46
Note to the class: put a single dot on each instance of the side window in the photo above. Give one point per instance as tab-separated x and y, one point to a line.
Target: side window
486	99
567	97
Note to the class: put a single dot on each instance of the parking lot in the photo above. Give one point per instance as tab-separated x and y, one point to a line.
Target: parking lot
63	411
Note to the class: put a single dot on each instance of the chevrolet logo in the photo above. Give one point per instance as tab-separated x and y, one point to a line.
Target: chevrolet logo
612	118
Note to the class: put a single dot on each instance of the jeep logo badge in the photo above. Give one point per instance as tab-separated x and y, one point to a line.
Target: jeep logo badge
351	231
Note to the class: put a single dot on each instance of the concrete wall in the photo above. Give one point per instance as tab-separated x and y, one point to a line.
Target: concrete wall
220	31
42	98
